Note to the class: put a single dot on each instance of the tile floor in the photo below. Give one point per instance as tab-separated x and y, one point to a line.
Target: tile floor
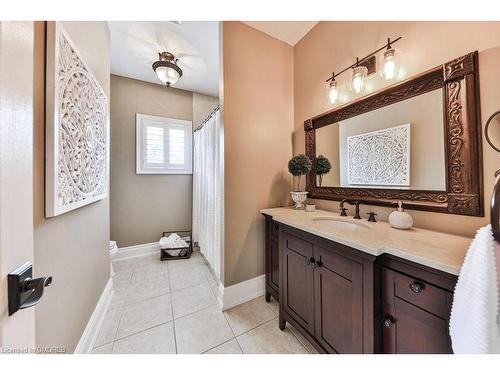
171	307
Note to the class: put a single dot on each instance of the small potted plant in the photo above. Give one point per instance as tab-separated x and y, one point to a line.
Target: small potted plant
323	166
298	166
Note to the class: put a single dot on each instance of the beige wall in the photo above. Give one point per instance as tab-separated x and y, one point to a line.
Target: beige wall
333	45
258	124
74	247
203	105
143	206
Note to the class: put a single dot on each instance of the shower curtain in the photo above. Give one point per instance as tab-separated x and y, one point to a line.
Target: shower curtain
208	188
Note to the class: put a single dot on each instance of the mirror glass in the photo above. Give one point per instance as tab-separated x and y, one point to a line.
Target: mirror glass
400	146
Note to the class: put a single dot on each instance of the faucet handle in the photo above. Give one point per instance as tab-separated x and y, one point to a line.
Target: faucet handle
371	217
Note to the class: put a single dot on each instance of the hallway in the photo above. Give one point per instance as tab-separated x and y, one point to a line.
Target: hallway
171	307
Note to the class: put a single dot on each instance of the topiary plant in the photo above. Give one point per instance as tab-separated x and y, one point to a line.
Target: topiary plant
298	166
323	166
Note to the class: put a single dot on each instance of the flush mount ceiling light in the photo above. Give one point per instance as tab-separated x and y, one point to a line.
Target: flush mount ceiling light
166	69
362	67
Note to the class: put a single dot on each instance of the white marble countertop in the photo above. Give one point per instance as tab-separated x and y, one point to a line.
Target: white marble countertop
442	251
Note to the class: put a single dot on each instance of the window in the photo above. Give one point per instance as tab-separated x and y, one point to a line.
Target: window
163	145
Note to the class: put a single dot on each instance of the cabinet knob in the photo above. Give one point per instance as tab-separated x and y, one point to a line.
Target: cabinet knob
387	322
308	261
416	286
317	264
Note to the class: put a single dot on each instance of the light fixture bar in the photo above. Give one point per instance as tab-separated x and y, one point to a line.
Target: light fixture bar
360	61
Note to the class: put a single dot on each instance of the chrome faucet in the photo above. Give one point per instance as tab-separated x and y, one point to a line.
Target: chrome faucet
352	203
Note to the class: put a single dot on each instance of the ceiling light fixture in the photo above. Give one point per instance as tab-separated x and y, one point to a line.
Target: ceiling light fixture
362	67
166	69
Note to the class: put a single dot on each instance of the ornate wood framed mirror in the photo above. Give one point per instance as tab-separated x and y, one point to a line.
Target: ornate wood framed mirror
418	141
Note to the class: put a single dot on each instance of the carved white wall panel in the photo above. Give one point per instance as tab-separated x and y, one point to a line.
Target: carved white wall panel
77	131
380	157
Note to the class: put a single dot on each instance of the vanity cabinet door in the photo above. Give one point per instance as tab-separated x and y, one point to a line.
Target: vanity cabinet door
338	302
298	292
414	322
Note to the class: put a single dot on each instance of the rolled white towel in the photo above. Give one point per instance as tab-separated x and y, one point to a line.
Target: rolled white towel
167	243
164	242
176	244
174	237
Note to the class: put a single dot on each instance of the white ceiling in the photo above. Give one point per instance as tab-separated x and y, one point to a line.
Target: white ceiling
135	46
287	31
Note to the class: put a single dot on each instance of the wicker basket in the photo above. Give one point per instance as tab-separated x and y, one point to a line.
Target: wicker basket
180	252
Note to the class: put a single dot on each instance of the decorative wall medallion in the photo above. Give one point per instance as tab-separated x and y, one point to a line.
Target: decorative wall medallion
77	132
381	157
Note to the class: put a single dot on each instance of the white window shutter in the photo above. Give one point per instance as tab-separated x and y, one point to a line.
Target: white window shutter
163	145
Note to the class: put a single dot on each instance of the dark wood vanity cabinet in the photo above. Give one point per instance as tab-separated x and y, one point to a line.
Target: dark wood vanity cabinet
416	305
326	292
347	301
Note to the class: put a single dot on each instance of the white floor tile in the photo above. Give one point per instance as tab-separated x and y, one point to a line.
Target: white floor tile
192	299
156	340
202	331
104	349
145	289
268	338
229	347
191	276
109	327
145	314
249	315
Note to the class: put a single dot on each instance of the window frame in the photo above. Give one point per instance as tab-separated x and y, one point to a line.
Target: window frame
141	121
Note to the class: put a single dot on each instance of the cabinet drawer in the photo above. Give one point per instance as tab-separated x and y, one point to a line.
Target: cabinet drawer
426	296
298	245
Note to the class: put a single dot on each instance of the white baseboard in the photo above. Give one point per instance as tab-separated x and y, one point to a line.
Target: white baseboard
136	251
93	326
242	292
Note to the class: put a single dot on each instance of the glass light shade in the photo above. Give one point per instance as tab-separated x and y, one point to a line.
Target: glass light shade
332	91
389	70
167	75
358	78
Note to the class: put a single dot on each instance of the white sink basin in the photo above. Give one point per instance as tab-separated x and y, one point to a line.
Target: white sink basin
340	223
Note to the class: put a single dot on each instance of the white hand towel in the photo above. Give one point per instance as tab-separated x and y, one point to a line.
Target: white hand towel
474	321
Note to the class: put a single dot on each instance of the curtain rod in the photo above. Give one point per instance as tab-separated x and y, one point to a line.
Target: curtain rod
208	118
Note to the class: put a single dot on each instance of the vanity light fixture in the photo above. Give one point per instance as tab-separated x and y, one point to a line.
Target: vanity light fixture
332	90
360	70
359	73
166	69
389	70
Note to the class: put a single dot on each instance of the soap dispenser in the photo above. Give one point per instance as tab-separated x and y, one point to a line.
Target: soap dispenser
400	219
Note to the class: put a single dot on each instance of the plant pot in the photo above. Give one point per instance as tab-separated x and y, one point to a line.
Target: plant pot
299	197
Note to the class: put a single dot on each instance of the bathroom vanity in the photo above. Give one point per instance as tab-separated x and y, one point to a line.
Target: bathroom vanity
355	286
351	286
